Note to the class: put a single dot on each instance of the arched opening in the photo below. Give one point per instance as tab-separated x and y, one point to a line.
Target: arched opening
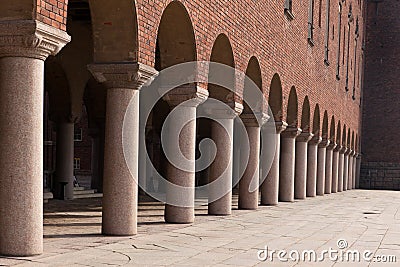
306	116
339	134
352	141
275	98
222	53
316	121
344	137
332	135
292	109
253	72
175	44
349	139
325	126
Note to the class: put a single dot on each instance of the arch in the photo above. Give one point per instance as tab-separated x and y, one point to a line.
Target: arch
275	98
332	135
344	136
175	40
292	109
352	141
325	126
222	53
357	145
305	115
253	72
339	134
316	121
114	20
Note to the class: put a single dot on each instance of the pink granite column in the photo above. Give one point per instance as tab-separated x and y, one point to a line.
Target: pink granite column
329	168
321	165
335	169
287	164
249	183
312	163
24	45
300	183
346	169
64	176
350	178
221	170
354	170
120	182
341	169
180	200
270	187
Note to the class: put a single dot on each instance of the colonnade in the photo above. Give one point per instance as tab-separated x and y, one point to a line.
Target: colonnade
304	165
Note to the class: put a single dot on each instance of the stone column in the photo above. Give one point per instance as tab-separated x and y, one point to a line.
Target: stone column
120	182
335	169
287	164
350	166
358	170
181	190
221	170
64	176
300	183
346	169
329	168
354	169
24	45
341	169
312	163
249	184
270	187
321	164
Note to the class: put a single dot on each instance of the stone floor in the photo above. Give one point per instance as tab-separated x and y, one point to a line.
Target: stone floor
365	220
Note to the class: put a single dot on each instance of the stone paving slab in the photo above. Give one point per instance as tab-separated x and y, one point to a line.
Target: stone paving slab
362	220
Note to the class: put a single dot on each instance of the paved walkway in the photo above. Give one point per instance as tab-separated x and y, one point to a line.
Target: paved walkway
362	220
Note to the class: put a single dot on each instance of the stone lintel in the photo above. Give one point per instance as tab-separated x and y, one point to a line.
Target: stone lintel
124	75
30	38
254	120
304	137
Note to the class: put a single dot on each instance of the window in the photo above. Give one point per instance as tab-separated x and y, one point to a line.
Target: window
288	9
328	9
339	42
77	163
350	17
311	22
78	135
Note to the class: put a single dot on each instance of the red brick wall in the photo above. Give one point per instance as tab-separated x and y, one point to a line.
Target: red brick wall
260	28
52	12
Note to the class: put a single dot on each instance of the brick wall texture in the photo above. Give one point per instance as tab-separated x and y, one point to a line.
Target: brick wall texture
52	12
381	117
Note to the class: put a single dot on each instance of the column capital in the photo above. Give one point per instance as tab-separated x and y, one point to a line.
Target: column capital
353	153
343	150
191	95
304	137
280	126
348	152
218	111
316	140
254	120
324	143
291	132
30	38
338	148
331	146
122	75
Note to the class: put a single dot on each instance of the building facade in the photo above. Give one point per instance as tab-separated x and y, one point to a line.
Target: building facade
306	58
